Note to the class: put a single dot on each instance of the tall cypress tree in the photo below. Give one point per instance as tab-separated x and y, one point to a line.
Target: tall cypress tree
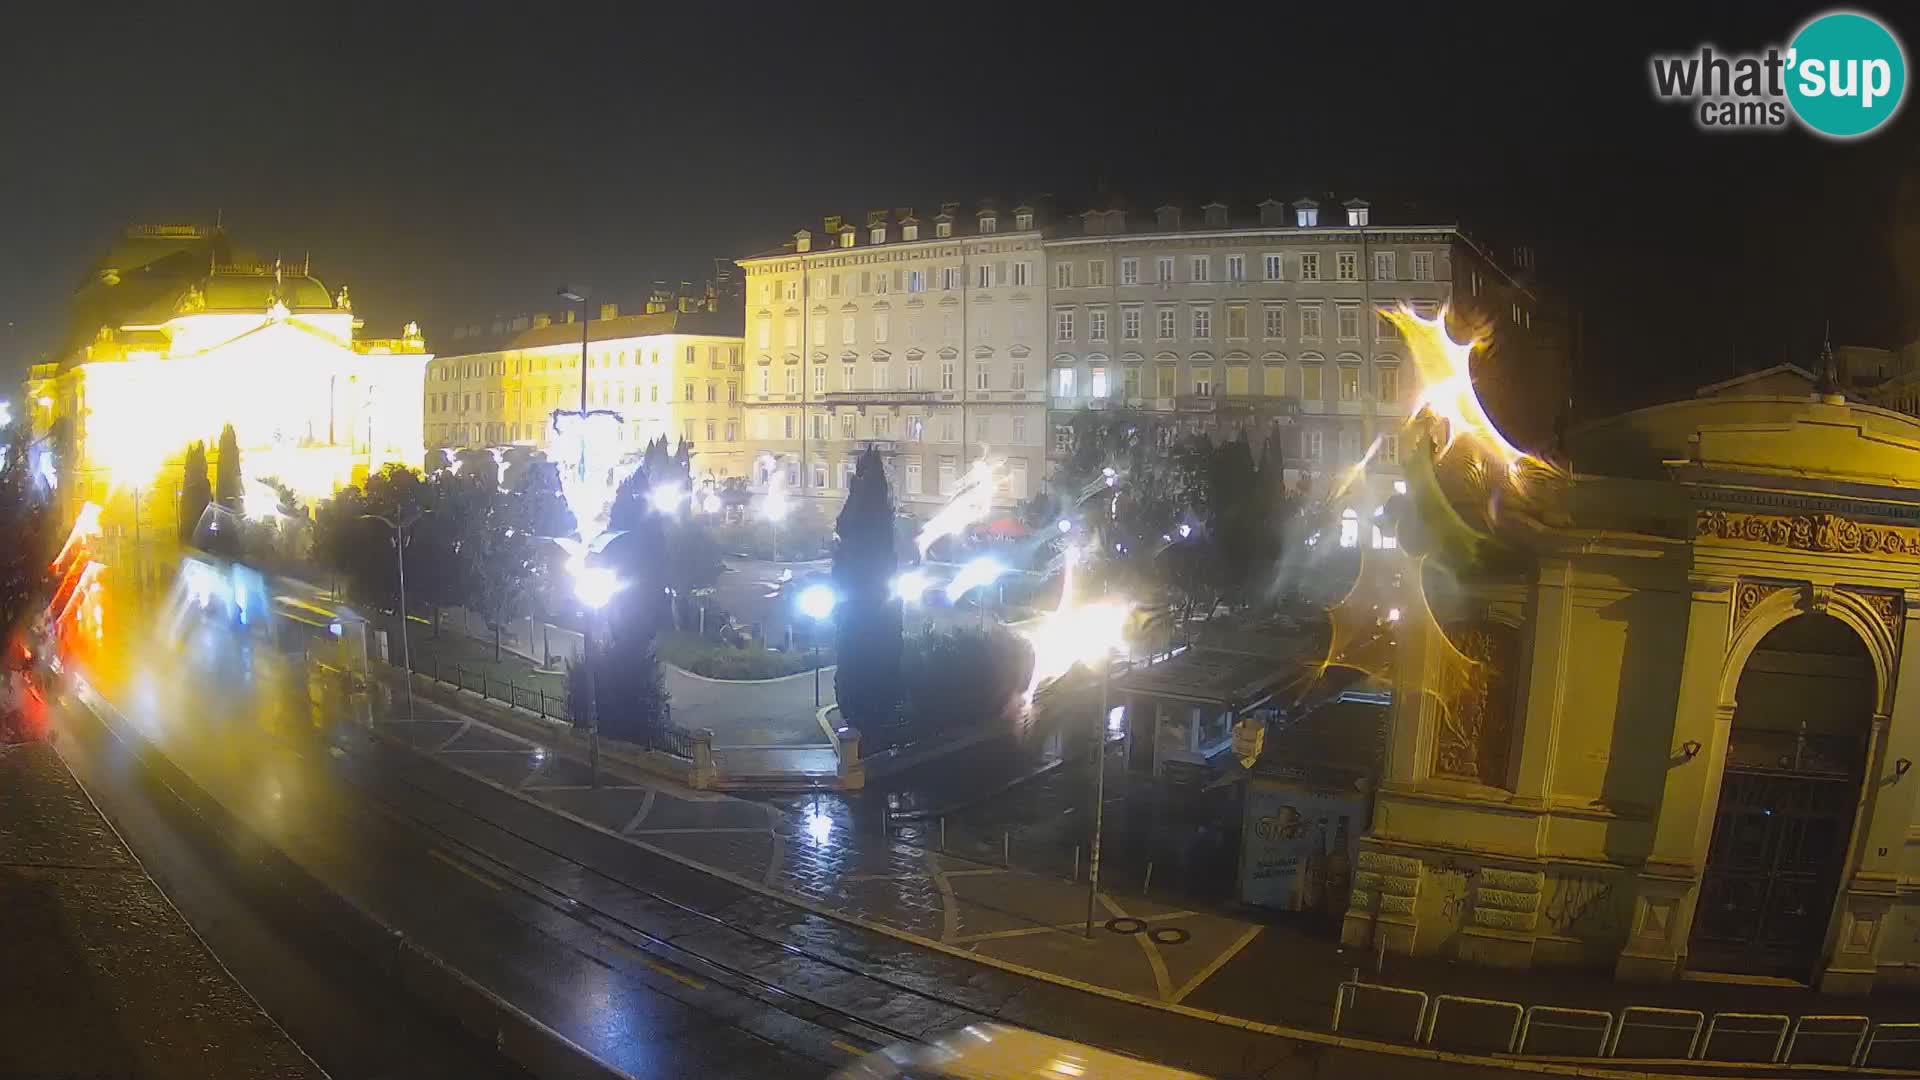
867	619
227	490
196	490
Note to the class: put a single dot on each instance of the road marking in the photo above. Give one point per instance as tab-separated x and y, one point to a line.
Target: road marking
646	807
1161	981
464	725
1217	963
703	829
464	869
659	968
949	904
848	1047
1073	926
975	871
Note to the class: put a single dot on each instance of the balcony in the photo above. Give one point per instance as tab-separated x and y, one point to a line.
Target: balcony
876	397
1279	408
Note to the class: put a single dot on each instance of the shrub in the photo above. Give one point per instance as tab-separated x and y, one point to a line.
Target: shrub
716	661
965	676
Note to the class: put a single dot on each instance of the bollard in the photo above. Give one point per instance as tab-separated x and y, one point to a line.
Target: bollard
943	833
1076	864
1006	850
1147	886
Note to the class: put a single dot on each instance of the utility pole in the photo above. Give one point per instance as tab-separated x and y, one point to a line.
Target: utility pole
1099	790
400	528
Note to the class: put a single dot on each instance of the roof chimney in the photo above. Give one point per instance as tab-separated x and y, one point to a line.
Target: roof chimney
686	296
832	224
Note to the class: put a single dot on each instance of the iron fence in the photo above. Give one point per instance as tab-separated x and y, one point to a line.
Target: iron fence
531	697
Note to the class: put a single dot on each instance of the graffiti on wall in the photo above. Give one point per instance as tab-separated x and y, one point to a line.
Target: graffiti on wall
1589	908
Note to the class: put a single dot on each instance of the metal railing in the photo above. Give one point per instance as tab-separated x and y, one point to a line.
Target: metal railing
1637	1032
665	738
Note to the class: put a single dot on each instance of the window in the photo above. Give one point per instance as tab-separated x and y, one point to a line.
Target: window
1349	383
1097	272
763	333
909	232
1166	324
819	425
788	425
1383	328
983	276
1202	382
1423	266
713	431
1163	269
881	376
819	378
849	377
1130	324
1310	322
1237	321
989	224
1389	449
946	475
1063	438
1163	381
733	391
947	430
1063	326
880	282
1313	450
1383	266
1130	379
1097	384
882	326
1063	275
913	478
916	428
1275	326
1306	217
1310	388
983	429
793	379
949	277
847	425
820	475
916	281
1018	379
1309	266
1063	382
1349	528
1097	325
913	374
982	377
1198	268
1349	446
1349	322
833	282
1346	266
689	396
942	229
846	330
946	375
713	392
1202	323
1022	272
1388	379
793	332
1236	268
1270	267
1129	271
653	392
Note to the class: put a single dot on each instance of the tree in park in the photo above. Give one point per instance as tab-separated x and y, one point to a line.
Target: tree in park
26	532
629	685
196	491
867	618
227	488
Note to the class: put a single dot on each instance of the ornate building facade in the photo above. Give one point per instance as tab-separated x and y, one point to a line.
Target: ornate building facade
673	370
1675	732
175	335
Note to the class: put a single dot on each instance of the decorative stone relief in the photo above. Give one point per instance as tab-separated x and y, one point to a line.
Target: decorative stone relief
1385	883
1476	715
1886	606
1748	595
1507	899
1810	532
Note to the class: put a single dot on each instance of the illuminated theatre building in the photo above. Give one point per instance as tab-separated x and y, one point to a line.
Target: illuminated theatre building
1657	706
175	336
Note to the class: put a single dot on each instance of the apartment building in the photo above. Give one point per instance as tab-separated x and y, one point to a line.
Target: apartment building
675	369
1265	321
919	336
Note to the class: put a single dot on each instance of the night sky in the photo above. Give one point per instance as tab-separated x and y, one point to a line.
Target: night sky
451	165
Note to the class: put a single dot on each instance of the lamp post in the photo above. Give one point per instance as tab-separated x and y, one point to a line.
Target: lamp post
816	603
400	528
579	296
593	586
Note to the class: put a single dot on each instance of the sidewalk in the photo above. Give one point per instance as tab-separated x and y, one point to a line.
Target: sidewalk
826	853
102	977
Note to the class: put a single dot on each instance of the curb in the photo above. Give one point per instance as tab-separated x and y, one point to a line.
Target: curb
824	668
515	1034
954	808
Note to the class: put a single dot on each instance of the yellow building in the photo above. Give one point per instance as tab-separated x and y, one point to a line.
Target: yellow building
1675	732
673	370
176	335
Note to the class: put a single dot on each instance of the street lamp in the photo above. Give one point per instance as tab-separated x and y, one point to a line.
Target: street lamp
593	586
817	603
400	528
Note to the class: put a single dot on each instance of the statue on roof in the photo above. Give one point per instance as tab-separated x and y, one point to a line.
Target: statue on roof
193	300
342	301
411	331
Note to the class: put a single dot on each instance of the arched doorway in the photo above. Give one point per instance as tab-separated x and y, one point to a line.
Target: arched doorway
1795	759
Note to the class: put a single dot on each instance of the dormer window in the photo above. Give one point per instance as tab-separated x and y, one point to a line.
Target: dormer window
942	229
1356	212
1216	215
989	223
1306	217
1023	221
909	232
879	234
802	240
846	237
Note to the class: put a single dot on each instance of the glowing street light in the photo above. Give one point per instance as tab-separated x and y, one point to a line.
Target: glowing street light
911	586
595	585
666	497
817	602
